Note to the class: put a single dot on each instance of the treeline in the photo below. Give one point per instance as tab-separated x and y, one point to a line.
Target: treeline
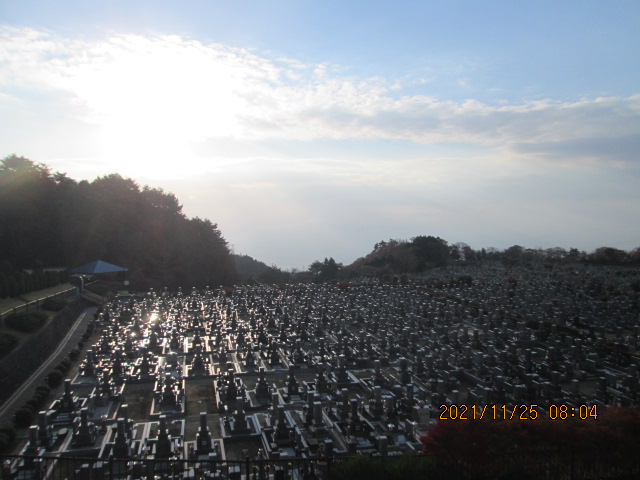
14	283
394	257
251	270
424	252
50	220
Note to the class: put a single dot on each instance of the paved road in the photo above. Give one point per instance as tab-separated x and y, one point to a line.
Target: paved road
25	392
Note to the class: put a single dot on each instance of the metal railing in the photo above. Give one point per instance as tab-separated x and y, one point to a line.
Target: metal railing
72	468
58	467
35	304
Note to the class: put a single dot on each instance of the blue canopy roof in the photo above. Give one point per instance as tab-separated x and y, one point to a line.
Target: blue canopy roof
97	267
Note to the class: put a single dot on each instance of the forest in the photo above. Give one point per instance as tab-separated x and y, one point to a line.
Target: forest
49	220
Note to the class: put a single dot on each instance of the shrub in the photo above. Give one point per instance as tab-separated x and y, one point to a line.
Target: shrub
24	417
43	389
5	442
74	354
54	379
7	343
54	304
26	322
9	431
35	402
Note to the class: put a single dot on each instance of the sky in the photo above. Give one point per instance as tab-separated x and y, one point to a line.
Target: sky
310	129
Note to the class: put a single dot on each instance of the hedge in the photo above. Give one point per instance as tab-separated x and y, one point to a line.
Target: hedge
54	304
7	342
26	322
24	417
43	389
54	379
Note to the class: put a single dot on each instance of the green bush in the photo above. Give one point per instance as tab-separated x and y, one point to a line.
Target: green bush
35	402
40	397
44	389
26	322
54	379
9	431
5	442
74	354
54	304
24	417
7	343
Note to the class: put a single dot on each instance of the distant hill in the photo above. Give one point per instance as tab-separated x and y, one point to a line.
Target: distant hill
248	267
421	253
50	220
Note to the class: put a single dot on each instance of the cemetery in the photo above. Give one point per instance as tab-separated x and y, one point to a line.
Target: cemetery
314	371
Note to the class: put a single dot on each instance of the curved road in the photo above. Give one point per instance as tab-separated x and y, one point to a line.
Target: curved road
25	392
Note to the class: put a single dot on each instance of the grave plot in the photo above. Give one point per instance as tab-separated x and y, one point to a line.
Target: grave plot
314	370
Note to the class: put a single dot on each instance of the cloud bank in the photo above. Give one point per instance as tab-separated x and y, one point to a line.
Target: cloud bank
169	86
297	161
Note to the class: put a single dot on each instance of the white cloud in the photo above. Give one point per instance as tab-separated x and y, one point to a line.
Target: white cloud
293	157
172	92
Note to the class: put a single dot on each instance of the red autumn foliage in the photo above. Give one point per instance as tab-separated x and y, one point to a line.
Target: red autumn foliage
480	445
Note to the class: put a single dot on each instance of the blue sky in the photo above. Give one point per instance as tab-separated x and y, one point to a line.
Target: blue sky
314	129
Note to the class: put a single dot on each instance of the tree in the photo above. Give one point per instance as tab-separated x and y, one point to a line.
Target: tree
607	256
67	223
513	255
468	253
432	251
325	271
14	165
274	275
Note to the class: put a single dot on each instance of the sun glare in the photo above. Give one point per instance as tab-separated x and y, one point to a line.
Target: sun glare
153	99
